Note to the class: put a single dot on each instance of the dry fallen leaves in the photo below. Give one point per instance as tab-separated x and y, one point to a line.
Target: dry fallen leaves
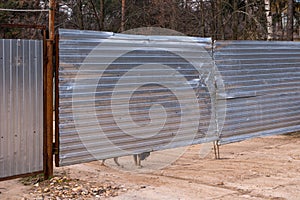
63	187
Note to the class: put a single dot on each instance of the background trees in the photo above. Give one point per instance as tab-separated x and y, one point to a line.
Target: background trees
20	18
220	19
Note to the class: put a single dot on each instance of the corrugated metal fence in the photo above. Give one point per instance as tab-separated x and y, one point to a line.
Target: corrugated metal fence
126	94
262	88
21	107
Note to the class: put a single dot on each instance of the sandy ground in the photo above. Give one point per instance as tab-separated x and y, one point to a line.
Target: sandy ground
261	168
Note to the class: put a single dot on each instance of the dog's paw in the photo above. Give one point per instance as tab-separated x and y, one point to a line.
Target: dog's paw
103	163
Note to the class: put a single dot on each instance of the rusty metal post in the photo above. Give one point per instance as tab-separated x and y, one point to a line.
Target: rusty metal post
56	145
48	97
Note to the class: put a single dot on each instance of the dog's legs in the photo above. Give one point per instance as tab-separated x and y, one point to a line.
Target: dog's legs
103	162
137	160
116	161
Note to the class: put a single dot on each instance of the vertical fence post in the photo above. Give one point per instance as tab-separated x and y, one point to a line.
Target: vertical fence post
56	145
48	97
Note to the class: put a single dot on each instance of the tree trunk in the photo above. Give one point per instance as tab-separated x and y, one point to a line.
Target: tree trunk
220	25
101	15
97	16
290	21
202	29
269	20
80	15
173	16
123	16
213	20
235	26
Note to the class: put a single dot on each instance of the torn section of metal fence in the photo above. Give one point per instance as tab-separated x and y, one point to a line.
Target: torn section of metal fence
126	94
262	88
21	107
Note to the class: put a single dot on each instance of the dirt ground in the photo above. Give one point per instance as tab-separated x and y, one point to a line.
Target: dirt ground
261	168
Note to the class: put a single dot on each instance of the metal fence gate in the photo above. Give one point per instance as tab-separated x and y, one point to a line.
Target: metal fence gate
126	94
21	107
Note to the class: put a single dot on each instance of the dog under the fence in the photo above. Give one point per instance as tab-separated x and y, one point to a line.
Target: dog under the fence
136	157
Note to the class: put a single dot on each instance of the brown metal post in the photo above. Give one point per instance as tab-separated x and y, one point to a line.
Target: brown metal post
45	58
48	97
56	146
48	113
51	20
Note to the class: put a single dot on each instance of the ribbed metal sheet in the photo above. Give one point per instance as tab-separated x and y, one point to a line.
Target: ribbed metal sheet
262	88
126	94
21	107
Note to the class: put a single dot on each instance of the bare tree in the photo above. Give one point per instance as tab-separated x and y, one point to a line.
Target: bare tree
32	18
269	20
101	14
220	19
290	21
123	16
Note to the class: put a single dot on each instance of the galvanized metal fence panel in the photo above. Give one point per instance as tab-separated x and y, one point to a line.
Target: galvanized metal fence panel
126	94
21	107
262	88
116	89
